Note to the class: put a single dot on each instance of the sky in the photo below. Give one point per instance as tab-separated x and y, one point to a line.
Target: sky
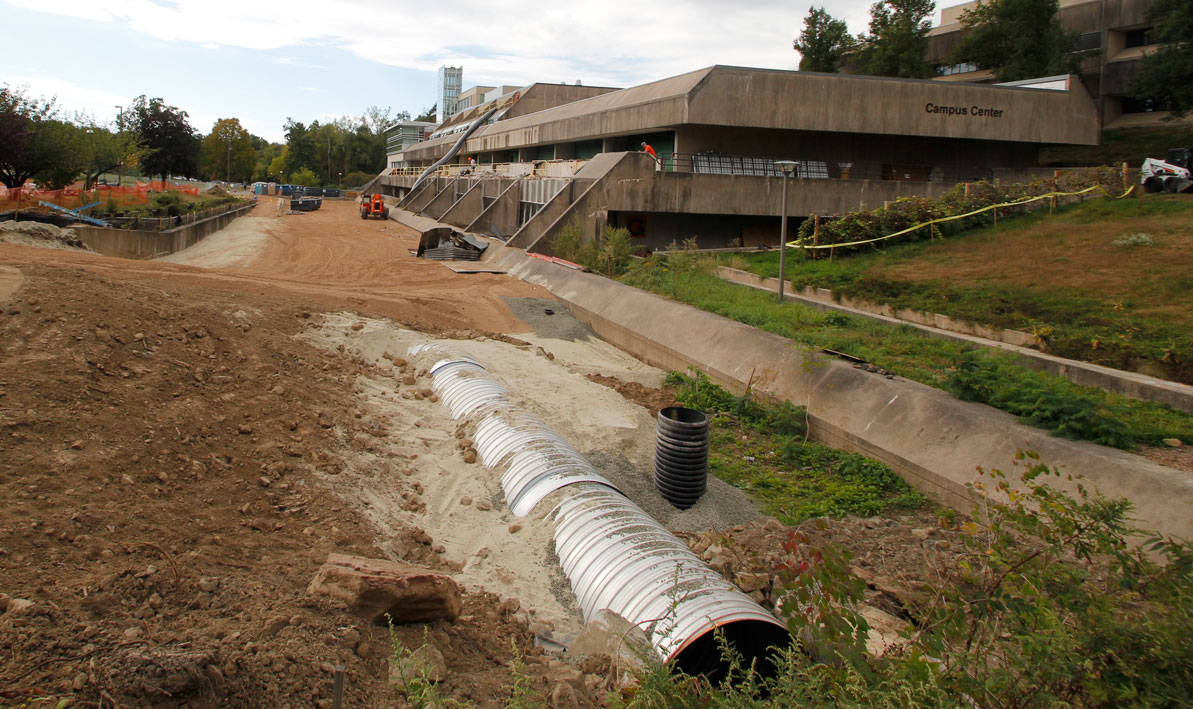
262	62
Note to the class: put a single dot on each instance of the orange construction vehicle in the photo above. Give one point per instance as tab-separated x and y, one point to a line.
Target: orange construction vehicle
373	206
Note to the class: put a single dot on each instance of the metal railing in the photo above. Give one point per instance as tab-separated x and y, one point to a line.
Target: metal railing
718	164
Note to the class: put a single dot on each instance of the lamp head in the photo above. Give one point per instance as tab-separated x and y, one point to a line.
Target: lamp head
787	167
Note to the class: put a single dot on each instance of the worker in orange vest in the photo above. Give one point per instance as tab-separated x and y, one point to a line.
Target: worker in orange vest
658	165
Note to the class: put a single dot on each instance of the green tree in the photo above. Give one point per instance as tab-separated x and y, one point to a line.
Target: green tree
32	137
227	152
898	41
277	167
170	144
300	146
101	150
305	177
1017	39
428	114
1166	76
824	42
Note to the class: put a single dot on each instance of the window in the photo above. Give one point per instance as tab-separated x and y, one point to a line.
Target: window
1138	38
964	68
1087	41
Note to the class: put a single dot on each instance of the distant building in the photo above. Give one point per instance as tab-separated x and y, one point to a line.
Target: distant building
472	97
451	80
402	135
1118	31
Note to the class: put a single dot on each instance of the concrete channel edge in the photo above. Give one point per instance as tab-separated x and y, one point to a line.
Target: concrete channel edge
933	440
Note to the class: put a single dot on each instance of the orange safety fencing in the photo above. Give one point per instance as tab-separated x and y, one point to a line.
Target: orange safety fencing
74	196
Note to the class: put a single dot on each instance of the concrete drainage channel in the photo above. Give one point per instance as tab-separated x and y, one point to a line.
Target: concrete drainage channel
616	557
934	441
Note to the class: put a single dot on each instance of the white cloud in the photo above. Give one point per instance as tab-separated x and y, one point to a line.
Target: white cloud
616	42
72	98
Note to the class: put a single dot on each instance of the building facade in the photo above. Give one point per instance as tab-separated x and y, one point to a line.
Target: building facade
554	153
403	135
1117	34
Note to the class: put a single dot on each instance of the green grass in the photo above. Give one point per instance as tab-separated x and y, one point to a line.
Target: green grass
1060	277
904	351
764	451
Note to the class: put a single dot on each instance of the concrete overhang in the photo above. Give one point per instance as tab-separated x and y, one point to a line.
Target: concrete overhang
800	101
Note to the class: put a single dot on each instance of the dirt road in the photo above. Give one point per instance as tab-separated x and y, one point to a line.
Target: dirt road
181	447
329	255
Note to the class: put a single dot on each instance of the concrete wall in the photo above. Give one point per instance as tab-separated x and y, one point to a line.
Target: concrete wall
138	244
502	215
935	441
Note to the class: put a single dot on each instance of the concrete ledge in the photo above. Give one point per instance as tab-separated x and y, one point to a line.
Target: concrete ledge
1130	384
935	441
143	244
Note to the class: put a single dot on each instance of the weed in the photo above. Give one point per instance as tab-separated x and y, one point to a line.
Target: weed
417	684
521	688
1136	239
762	449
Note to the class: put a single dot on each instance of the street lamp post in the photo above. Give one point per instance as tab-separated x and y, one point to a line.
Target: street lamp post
787	167
119	131
228	172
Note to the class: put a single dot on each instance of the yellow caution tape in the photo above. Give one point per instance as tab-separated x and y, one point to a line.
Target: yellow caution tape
1027	200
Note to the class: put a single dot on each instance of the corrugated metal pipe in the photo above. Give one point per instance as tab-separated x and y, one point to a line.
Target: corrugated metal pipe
615	555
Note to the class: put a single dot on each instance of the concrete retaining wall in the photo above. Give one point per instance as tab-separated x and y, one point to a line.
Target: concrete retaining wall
139	244
1130	384
935	441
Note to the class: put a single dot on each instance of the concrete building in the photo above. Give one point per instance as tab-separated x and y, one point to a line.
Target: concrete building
451	81
555	154
1116	30
472	97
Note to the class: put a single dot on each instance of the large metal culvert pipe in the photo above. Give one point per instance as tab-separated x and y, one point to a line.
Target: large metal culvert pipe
681	455
615	556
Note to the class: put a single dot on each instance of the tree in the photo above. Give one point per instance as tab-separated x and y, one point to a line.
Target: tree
1017	39
1166	76
305	177
428	114
898	41
32	138
100	150
300	146
228	152
277	166
823	43
170	144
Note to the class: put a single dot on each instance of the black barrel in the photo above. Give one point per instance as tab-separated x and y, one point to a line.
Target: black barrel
681	456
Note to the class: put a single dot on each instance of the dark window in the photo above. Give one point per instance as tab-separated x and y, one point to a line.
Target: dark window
1138	38
1087	41
1134	105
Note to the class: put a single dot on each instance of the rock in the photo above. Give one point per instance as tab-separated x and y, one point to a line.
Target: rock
425	664
922	532
563	696
515	528
408	379
470	456
375	588
439	549
208	584
80	682
132	633
752	582
465	501
4	599
1173	442
399	361
357	326
274	626
244	429
18	606
484	506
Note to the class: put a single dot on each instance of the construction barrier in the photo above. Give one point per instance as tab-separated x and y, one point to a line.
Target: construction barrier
75	196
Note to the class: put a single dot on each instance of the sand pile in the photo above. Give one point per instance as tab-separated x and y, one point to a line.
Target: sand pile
38	234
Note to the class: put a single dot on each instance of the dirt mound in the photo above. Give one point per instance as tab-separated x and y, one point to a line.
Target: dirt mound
38	234
166	448
218	191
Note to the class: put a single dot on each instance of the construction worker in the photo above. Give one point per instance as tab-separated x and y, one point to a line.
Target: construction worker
650	151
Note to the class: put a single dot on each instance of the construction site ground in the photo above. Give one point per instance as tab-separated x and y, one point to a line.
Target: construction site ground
184	441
